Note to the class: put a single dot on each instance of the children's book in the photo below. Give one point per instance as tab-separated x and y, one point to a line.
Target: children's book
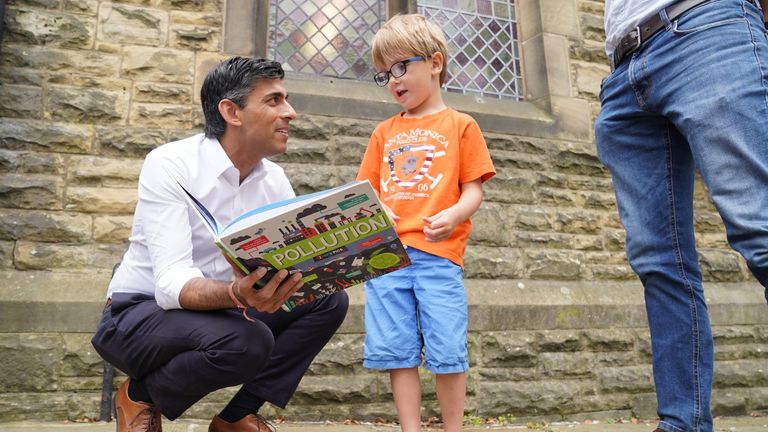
336	238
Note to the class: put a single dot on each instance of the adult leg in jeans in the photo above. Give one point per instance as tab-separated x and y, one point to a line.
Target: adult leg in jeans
695	91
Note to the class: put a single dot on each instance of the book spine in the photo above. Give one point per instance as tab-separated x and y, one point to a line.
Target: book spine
232	256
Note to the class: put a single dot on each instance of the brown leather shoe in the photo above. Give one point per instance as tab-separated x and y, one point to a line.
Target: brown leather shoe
249	423
135	416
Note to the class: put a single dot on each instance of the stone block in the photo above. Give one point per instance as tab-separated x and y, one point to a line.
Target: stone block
556	197
741	373
37	27
599	200
349	149
161	115
86	7
353	127
509	350
191	5
80	359
162	93
30	191
560	17
43	4
559	341
41	407
708	222
13	75
612	272
302	151
535	398
49	256
135	25
731	402
129	142
211	19
20	101
326	389
29	362
610	340
195	37
111	229
630	379
510	187
565	365
97	169
312	128
343	354
512	143
554	264
306	178
490	225
101	200
158	64
44	225
31	162
85	105
734	335
587	78
523	161
578	221
51	59
17	134
486	262
721	265
6	254
532	219
107	84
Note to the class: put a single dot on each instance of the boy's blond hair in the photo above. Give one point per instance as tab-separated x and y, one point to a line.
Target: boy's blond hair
409	35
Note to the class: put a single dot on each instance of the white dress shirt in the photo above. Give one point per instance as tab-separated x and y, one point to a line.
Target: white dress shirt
621	16
169	243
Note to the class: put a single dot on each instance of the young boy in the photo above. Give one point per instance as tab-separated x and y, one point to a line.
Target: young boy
428	164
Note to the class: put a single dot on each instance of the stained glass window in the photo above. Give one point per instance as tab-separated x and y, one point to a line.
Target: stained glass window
484	59
330	37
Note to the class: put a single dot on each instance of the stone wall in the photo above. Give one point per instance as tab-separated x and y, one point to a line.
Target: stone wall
557	323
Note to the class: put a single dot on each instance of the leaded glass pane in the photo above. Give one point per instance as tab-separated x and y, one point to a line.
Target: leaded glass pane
482	40
325	37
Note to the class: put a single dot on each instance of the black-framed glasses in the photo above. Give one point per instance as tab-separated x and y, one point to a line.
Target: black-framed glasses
397	70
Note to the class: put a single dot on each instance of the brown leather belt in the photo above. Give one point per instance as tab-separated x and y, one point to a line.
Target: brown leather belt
632	41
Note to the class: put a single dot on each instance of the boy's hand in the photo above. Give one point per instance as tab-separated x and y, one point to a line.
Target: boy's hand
392	216
441	225
272	295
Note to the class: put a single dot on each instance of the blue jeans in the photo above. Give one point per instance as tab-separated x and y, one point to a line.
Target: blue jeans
694	95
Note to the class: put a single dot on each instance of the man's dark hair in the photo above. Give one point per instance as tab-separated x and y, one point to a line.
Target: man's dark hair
232	79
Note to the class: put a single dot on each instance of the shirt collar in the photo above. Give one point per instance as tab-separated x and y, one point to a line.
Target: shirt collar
220	165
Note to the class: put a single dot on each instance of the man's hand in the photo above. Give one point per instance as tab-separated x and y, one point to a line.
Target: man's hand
440	226
272	295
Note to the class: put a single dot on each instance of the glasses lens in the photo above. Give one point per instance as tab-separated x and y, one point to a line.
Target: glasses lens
398	69
381	78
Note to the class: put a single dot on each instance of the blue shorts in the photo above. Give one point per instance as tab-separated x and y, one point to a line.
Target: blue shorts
422	305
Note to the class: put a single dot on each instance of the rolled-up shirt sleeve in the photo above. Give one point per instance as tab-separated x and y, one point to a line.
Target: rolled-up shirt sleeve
164	221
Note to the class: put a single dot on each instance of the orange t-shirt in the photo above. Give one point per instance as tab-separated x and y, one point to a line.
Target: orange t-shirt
417	166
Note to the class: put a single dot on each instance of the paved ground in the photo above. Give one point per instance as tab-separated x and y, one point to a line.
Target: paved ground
731	424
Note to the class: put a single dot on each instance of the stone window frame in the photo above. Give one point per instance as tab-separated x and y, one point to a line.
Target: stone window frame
550	108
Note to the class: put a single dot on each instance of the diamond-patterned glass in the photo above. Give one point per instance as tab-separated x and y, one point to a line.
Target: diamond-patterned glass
325	37
482	41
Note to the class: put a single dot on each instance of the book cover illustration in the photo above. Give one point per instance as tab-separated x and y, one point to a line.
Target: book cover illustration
336	239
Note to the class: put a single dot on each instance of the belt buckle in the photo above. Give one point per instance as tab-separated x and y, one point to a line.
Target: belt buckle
615	60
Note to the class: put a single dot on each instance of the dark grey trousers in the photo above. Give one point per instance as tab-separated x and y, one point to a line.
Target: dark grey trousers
183	355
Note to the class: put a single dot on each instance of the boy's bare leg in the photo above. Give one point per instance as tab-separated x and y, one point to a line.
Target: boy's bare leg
406	389
451	392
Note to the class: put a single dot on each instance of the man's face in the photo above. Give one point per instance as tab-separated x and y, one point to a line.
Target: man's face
265	119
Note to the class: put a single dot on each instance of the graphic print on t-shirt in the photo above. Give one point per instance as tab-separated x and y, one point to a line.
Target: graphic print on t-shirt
410	156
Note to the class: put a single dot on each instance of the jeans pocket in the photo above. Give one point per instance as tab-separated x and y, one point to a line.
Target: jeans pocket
707	16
